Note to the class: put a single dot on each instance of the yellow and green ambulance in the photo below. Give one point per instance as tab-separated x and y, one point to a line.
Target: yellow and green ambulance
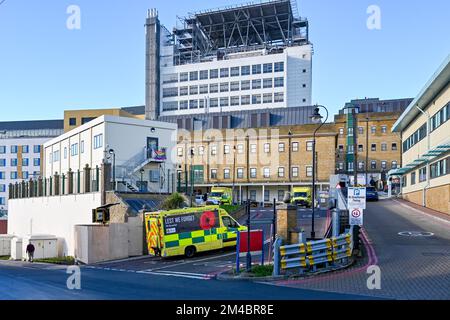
190	230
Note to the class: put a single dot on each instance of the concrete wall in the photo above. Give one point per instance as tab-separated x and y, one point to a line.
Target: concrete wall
52	215
436	198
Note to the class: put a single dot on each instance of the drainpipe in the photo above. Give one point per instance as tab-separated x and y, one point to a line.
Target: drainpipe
427	114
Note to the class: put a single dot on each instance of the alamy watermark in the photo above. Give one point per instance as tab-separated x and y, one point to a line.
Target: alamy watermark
74	280
374	19
73	21
374	280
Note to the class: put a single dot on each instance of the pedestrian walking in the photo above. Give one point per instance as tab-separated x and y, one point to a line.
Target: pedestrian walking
30	251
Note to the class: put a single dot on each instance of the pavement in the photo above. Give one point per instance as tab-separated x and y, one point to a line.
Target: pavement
410	245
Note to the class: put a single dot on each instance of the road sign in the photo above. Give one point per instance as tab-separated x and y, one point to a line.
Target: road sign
356	216
356	198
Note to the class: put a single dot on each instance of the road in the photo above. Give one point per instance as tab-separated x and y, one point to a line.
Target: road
413	266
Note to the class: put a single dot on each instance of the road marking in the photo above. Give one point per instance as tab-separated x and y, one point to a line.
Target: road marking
197	276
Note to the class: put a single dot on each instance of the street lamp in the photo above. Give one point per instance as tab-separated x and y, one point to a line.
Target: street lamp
234	171
316	118
192	175
113	154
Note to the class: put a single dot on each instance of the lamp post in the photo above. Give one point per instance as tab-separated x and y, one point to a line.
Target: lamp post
290	159
113	154
249	255
316	117
192	175
234	171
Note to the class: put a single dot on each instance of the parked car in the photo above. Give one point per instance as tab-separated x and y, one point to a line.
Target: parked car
199	200
371	194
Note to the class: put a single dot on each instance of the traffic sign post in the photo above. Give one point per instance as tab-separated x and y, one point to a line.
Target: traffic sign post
356	216
356	198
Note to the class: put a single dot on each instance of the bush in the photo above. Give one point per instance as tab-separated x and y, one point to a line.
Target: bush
4	257
64	260
262	271
174	201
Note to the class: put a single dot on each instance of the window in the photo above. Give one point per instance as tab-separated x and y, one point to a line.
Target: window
240	148
309	146
341	166
72	122
266	172
224	87
65	152
295	172
226	149
184	91
56	156
184	104
2	162
240	173
234	72
245	100
266	195
213	103
350	131
267	83
25	175
245	70
98	141
384	147
295	146
394	164
394	147
350	148
440	168
245	85
25	149
279	66
82	146
416	137
256	84
3	188
360	165
341	131
86	120
203	74
266	147
214	74
413	178
278	97
256	69
213	173
279	82
341	148
193	90
14	162
234	86
360	130
383	164
253	148
281	147
203	88
304	70
373	129
170	78
267	68
267	98
373	165
2	149
281	195
253	195
350	166
423	174
36	162
213	150
234	101
373	147
170	92
14	175
360	148
224	73
281	172
226	174
256	99
309	171
2	175
193	75
224	102
25	162
184	76
383	129
74	149
14	149
213	88
253	173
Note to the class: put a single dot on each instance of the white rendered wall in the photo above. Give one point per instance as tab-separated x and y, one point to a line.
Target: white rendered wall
52	215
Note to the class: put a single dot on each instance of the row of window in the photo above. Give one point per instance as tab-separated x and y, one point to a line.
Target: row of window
265	173
437	169
267	83
14	175
75	149
25	149
415	138
224	101
25	162
440	117
373	165
240	148
373	130
224	72
373	147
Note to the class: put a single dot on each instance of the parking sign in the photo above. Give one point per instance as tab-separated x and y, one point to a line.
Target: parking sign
356	198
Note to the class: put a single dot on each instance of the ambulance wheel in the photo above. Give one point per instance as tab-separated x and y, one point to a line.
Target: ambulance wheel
189	252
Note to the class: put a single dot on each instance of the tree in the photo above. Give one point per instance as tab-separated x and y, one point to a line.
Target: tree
174	201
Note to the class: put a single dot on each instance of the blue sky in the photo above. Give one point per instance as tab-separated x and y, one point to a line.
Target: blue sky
46	68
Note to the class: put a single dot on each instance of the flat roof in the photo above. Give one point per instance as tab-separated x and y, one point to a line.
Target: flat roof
438	81
31	125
